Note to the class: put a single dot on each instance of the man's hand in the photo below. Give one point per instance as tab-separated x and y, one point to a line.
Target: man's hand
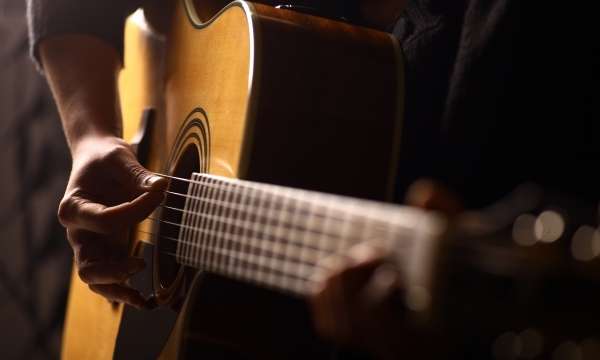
108	192
359	302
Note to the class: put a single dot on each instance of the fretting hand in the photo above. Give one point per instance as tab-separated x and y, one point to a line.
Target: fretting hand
359	301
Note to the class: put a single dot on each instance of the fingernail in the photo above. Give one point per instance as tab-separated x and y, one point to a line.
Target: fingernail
151	180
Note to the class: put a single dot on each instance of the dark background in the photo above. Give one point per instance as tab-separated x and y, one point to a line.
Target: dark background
35	259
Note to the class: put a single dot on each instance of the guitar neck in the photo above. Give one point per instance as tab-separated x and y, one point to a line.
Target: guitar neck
277	236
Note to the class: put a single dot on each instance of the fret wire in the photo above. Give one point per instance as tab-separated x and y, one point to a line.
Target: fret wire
298	236
235	205
281	284
201	223
236	230
249	233
238	207
217	260
219	226
243	224
294	225
278	285
242	219
387	208
207	259
199	208
202	265
241	256
305	243
259	236
226	226
284	230
259	270
189	219
236	240
190	202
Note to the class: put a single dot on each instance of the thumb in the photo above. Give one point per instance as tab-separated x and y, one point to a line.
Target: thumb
144	179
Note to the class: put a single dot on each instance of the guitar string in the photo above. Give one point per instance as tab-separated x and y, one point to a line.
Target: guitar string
256	191
379	224
239	256
288	282
290	226
225	184
234	239
315	261
299	194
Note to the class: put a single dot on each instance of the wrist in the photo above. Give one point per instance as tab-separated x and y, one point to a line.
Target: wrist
94	143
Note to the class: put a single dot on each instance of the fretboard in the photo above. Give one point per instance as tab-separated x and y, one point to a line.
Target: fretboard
278	237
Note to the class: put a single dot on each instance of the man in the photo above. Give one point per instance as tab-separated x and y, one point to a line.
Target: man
478	120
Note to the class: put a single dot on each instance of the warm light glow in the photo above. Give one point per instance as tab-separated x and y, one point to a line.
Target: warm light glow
523	230
549	226
585	245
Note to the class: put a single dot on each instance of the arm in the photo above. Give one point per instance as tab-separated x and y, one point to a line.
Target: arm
78	44
108	190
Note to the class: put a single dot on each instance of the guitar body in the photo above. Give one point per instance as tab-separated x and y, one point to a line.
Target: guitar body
260	94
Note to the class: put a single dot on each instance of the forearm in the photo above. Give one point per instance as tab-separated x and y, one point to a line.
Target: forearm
83	74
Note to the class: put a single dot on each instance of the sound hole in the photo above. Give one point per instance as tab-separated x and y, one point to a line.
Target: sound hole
168	268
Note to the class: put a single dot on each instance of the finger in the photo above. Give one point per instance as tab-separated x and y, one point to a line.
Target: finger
323	311
122	294
384	283
140	178
431	195
76	211
103	273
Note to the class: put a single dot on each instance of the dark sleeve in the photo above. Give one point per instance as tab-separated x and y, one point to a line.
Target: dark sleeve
103	19
519	104
500	93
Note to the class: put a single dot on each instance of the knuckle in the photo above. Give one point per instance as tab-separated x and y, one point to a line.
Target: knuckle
138	173
84	274
114	154
66	210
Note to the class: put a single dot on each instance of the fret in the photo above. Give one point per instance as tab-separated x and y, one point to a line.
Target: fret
211	242
227	226
197	209
249	222
182	247
286	229
199	239
264	210
242	216
277	222
235	246
257	240
348	218
305	235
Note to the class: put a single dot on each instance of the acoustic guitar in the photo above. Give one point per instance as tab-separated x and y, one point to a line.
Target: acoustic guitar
279	132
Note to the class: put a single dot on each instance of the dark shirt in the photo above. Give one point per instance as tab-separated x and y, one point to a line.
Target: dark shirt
498	92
